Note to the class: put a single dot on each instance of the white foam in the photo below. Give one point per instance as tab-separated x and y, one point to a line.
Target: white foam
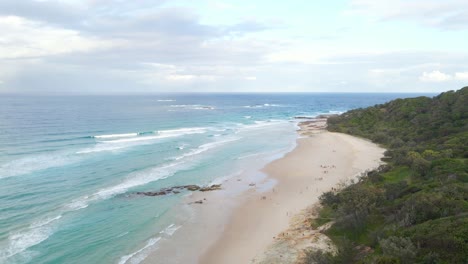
336	112
182	146
123	234
40	230
45	221
20	241
203	107
117	135
261	124
195	107
166	100
205	147
170	230
99	148
140	139
137	139
133	180
183	131
164	134
220	129
263	105
143	177
253	106
78	204
34	163
139	255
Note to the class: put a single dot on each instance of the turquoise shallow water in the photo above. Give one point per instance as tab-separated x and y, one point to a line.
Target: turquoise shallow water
70	166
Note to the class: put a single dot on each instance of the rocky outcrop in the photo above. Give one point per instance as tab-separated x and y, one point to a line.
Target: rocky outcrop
213	187
178	189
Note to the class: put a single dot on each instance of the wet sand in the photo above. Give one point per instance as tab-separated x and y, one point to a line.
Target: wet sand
244	222
321	161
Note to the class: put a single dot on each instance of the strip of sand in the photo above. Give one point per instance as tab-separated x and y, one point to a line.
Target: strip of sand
322	160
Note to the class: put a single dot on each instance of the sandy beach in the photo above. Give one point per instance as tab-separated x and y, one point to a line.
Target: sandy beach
322	160
260	220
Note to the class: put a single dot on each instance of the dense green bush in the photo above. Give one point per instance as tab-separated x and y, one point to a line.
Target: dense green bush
344	254
400	248
415	208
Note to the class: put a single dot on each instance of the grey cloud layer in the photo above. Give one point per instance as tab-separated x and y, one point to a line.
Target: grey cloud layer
146	46
444	14
135	35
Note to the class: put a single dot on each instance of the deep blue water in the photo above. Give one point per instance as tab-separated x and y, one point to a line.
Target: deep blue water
69	165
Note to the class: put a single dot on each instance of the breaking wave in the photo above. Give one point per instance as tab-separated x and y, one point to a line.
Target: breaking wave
37	232
34	163
139	255
194	107
117	135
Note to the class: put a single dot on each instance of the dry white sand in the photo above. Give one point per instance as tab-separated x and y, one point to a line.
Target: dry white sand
322	160
245	224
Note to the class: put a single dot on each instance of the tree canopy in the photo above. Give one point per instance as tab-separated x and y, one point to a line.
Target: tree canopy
414	209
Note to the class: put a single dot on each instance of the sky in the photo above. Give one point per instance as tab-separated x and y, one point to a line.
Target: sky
151	46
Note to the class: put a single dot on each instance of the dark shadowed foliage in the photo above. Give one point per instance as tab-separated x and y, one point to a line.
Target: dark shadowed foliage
414	209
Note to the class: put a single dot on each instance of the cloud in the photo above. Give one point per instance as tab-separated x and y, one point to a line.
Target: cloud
446	14
435	76
129	39
462	76
248	26
115	46
221	5
23	38
54	12
438	76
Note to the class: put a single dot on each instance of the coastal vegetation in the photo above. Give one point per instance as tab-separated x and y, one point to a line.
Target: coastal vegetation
413	209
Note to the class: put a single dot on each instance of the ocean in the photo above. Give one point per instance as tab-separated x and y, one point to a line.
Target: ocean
70	166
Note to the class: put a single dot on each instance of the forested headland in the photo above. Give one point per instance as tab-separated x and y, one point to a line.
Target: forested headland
413	209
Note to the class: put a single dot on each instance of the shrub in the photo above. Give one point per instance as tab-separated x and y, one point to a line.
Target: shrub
400	248
318	257
329	199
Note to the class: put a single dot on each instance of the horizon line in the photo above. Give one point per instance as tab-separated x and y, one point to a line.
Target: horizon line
207	92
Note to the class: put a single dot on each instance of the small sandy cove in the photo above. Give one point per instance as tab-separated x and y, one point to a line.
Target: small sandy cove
268	223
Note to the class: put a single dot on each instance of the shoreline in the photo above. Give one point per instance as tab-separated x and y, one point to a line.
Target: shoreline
246	220
321	161
202	216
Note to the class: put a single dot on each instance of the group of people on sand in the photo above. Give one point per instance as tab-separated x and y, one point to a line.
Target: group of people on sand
327	167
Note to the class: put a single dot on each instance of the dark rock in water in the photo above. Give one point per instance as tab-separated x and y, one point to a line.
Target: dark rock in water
211	188
178	189
152	193
192	187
